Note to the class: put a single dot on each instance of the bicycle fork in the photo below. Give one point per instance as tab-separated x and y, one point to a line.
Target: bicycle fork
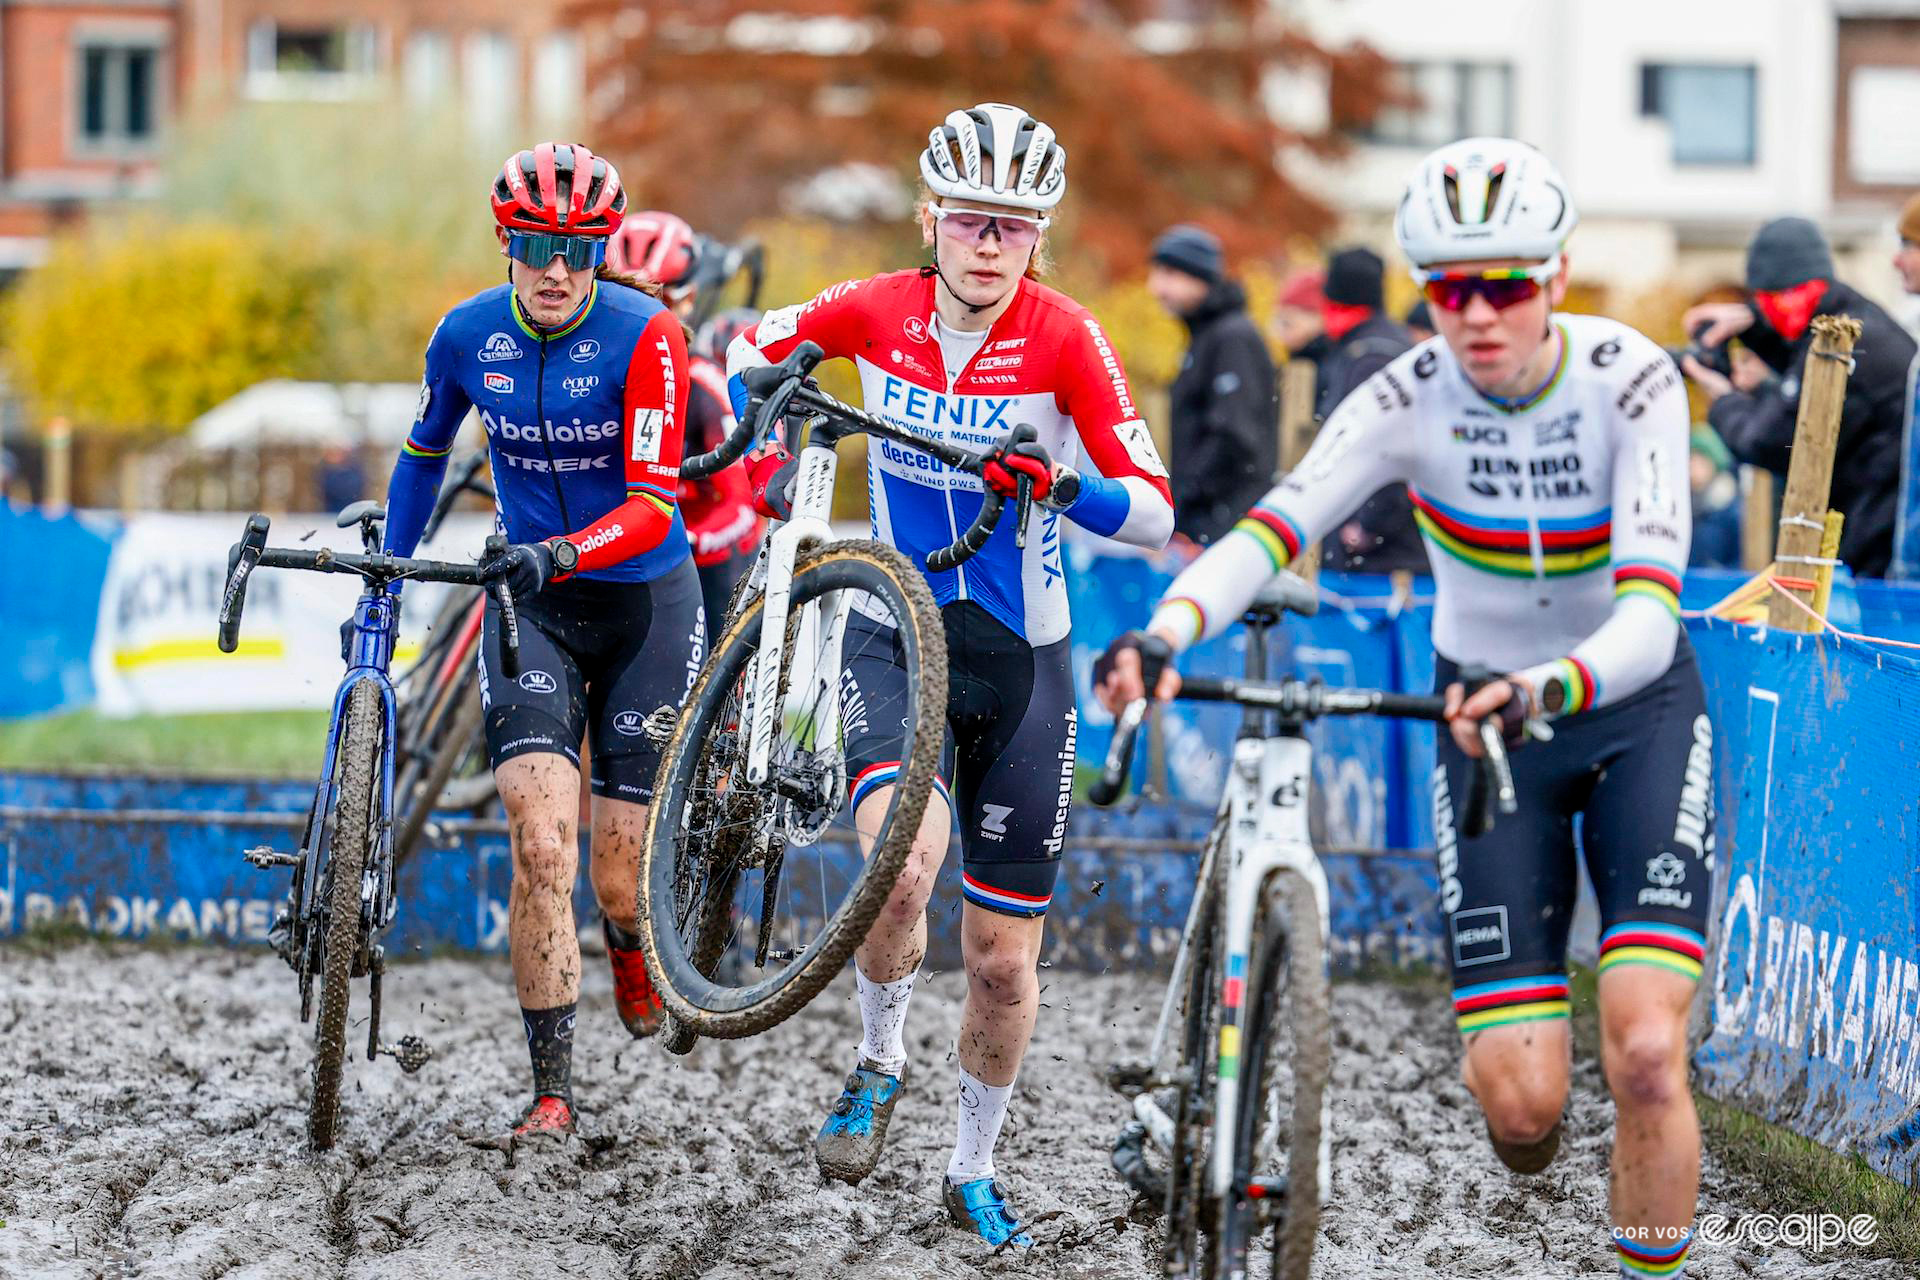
1268	839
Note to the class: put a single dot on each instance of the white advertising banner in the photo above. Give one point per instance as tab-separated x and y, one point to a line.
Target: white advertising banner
156	651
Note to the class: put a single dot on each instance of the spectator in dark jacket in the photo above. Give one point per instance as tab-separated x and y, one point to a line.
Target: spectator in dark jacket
1419	322
1790	278
1225	415
1381	536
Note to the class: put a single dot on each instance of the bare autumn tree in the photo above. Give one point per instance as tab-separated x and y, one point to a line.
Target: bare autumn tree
716	107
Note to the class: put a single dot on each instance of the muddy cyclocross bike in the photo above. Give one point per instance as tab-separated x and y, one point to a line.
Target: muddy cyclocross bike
1230	1134
343	895
759	883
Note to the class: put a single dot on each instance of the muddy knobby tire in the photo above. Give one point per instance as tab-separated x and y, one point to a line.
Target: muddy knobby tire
355	769
863	565
1290	1004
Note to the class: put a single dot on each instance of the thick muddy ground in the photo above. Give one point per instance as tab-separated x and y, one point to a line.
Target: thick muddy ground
151	1113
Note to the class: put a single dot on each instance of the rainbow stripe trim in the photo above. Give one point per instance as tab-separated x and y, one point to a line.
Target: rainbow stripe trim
1233	994
1004	901
1638	1259
579	317
1665	946
875	776
1276	533
1493	1004
1648	578
1583	690
1195	614
1568	544
1521	403
414	449
660	498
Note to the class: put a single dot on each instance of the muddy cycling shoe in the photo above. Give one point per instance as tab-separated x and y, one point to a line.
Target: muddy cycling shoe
1527	1157
633	993
848	1145
546	1117
981	1207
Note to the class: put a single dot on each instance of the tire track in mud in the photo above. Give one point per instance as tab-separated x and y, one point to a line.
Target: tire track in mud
152	1121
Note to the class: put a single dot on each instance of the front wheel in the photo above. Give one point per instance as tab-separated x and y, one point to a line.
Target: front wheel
356	769
753	896
1279	1151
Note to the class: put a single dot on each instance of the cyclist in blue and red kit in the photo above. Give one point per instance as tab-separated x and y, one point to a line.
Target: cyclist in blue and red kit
580	379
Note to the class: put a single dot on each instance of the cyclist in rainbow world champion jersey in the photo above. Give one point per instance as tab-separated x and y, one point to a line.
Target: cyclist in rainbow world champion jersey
581	383
1546	457
963	350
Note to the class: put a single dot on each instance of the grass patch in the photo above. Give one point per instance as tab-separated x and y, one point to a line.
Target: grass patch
277	743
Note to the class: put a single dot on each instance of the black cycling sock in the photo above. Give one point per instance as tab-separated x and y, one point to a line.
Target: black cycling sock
550	1043
619	938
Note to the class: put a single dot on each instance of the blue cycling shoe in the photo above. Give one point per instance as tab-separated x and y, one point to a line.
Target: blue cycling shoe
981	1206
848	1145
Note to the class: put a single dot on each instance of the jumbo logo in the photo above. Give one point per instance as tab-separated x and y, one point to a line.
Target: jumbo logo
584	350
498	383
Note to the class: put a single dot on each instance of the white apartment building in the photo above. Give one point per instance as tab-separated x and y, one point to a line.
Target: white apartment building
1681	126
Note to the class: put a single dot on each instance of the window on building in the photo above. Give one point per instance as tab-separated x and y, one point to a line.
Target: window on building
490	82
429	68
1876	151
1709	110
316	61
557	75
1456	100
119	103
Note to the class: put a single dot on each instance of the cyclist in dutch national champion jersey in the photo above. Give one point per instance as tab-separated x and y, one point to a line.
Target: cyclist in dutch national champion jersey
580	380
718	511
1546	457
963	350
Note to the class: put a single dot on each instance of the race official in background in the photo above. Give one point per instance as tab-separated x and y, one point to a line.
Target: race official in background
1790	279
1381	536
1225	423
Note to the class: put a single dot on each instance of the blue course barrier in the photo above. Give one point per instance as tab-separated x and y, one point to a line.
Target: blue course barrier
1817	958
52	571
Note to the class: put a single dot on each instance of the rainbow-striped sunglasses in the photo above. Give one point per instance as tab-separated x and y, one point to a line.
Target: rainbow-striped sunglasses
1502	287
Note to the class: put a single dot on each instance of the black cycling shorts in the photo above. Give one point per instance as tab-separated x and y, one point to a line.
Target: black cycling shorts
1639	773
1006	763
606	654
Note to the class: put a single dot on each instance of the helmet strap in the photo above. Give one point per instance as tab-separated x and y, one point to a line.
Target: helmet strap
947	284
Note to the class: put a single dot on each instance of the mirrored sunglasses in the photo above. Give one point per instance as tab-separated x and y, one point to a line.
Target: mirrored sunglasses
537	249
1502	287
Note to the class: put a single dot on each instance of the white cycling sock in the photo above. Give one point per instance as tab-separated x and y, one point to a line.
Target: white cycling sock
983	1109
883	1021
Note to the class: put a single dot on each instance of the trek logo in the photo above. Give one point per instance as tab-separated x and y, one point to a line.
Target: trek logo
575	432
994	825
584	350
500	347
1480	936
594	541
498	383
537	682
598	462
1480	435
915	328
578	387
628	723
935	409
666	384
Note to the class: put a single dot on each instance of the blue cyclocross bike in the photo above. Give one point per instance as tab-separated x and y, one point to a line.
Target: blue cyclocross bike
343	895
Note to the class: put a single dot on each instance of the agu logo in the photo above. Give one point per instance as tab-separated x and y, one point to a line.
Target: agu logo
498	383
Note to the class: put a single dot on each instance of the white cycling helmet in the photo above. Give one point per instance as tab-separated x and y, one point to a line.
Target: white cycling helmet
1484	198
995	154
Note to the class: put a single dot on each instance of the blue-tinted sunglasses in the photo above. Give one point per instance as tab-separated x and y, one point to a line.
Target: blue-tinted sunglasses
537	249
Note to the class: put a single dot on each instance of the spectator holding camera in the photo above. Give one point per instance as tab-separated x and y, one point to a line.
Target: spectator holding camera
1790	280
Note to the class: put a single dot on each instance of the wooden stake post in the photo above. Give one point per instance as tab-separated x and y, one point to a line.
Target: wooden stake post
1803	512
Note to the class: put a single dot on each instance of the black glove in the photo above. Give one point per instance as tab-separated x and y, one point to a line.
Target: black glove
525	567
1512	712
1154	653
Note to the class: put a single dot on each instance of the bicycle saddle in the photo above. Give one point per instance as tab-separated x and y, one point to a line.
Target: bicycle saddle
1285	591
365	509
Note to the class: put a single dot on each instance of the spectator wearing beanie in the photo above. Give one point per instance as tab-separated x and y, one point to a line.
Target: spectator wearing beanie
1380	537
1225	416
1907	259
1790	278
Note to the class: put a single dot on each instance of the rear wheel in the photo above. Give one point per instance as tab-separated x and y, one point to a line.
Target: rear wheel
355	770
754	896
456	734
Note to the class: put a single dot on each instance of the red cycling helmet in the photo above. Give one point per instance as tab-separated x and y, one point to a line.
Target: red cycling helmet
656	246
542	189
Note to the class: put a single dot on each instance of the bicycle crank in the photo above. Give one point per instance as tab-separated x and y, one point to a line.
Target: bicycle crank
411	1052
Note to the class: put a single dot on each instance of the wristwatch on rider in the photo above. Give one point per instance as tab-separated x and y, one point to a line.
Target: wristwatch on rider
1551	696
566	556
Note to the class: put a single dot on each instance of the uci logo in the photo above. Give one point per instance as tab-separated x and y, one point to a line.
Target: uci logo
584	350
537	682
627	722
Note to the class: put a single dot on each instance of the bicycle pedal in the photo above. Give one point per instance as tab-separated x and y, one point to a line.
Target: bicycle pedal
411	1052
265	856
